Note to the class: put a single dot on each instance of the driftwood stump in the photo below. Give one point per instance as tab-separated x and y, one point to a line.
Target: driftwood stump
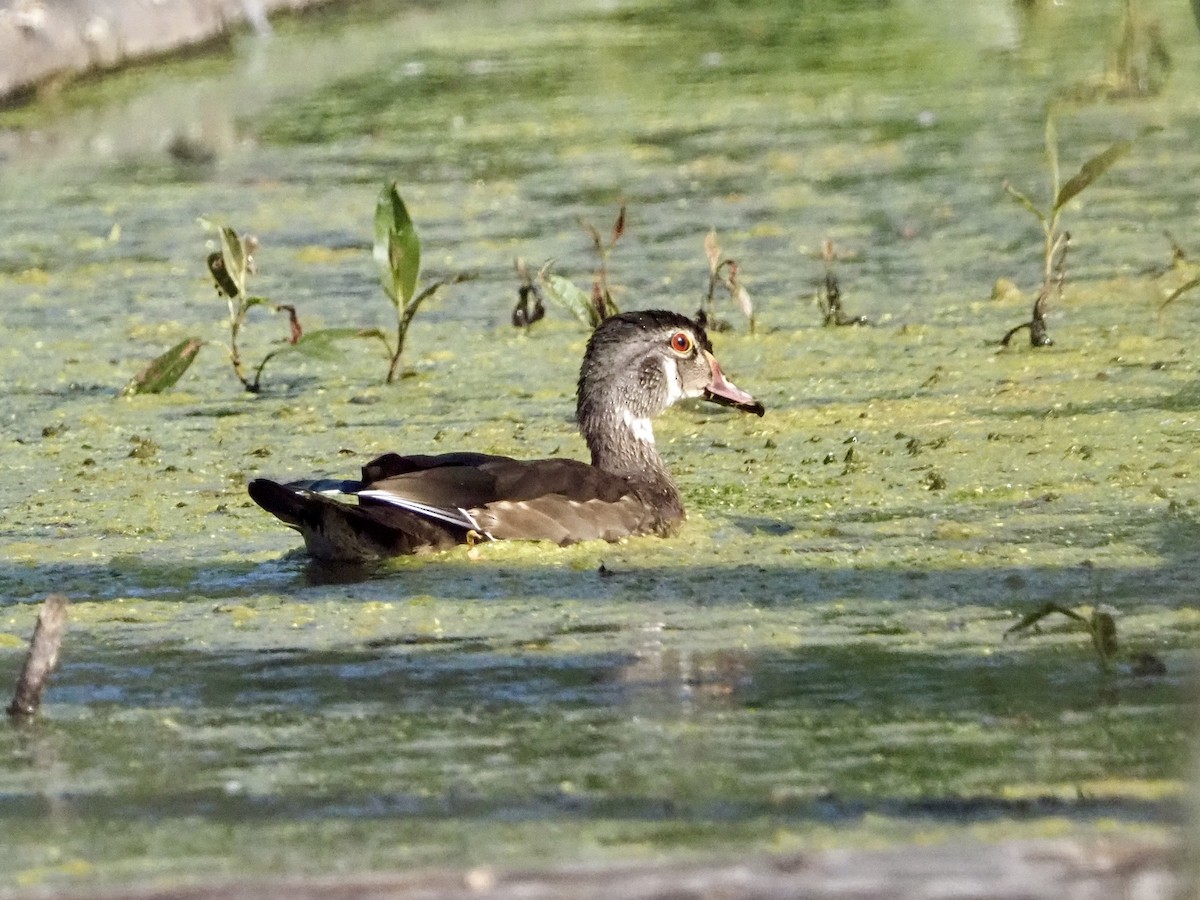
42	658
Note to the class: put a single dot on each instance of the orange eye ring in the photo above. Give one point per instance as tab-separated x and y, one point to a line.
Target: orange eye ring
681	343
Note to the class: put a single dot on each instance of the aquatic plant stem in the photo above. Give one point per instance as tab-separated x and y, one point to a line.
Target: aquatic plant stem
408	312
237	317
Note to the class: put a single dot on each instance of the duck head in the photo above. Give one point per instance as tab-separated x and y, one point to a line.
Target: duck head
638	364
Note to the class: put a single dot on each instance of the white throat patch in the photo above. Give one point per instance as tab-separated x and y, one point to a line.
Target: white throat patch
640	427
673	381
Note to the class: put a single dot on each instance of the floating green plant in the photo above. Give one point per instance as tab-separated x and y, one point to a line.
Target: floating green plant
164	370
524	314
590	309
397	255
723	272
829	297
1180	263
603	304
1138	65
567	295
1056	242
231	267
1100	623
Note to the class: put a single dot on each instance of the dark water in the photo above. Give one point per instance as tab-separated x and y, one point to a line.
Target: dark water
818	658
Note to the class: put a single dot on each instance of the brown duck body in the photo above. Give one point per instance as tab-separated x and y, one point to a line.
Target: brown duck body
496	497
636	365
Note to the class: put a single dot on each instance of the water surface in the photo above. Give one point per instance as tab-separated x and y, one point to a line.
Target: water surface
818	659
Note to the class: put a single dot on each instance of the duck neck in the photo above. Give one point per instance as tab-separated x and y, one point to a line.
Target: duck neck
623	443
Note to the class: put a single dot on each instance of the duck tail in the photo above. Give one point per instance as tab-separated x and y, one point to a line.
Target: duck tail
281	501
337	530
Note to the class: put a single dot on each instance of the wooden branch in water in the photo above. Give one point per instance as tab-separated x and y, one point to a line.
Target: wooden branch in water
43	656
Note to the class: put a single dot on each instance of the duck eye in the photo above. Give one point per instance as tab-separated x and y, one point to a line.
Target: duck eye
681	342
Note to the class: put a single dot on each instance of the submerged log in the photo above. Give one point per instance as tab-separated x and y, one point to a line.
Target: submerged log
42	658
47	41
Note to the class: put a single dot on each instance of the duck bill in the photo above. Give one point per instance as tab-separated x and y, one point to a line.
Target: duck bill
723	391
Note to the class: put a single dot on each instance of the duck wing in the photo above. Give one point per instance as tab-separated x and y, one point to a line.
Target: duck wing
407	504
559	500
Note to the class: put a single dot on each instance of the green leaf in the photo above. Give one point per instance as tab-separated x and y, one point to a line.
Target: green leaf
397	250
1025	202
568	296
1181	290
375	333
1034	617
1092	169
322	343
233	254
1052	154
165	370
594	235
319	344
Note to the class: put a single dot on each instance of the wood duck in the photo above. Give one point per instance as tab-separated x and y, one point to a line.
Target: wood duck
637	364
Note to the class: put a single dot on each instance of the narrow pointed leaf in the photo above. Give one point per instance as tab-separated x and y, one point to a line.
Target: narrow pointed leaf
743	302
383	235
433	287
1052	154
216	267
712	250
233	255
567	295
1025	202
371	333
1092	169
1181	290
322	343
1034	617
618	226
522	270
611	308
165	370
594	235
397	250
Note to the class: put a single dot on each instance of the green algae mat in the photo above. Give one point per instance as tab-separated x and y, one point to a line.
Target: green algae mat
823	656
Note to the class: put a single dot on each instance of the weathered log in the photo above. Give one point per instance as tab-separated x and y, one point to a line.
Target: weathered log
42	658
45	41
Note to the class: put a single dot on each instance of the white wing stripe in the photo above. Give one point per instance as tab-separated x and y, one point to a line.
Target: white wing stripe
459	517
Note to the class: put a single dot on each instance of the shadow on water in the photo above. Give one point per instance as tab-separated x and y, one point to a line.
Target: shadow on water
1184	400
791	570
692	703
472	733
473	582
419	808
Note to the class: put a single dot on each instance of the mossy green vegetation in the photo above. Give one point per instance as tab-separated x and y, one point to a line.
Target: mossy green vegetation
817	659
